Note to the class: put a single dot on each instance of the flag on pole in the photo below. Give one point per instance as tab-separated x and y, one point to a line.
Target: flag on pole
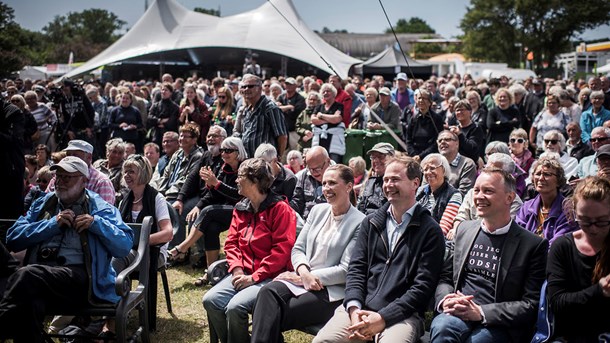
71	58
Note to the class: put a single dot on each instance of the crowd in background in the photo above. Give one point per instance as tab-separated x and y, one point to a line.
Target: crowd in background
198	136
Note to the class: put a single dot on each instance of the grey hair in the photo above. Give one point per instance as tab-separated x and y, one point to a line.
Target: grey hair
497	146
222	130
266	151
502	161
440	158
235	143
295	153
597	129
560	138
330	87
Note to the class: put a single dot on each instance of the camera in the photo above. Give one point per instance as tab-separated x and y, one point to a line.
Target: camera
50	255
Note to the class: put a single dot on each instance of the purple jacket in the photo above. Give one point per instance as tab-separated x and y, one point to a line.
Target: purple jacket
556	223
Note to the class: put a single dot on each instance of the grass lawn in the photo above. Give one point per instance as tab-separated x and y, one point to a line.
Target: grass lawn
189	323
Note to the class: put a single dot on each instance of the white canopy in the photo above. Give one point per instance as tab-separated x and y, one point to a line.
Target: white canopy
168	26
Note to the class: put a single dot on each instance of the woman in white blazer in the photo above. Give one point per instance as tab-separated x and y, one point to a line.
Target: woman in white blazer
309	295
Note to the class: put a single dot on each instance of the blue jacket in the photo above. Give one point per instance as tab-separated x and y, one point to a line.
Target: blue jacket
554	226
108	237
588	122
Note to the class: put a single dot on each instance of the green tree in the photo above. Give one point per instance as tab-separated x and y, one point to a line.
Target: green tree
85	33
210	11
493	29
327	30
414	25
10	36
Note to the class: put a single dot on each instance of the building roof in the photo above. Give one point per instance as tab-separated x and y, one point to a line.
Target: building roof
170	29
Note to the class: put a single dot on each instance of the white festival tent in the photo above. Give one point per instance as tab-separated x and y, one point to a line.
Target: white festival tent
167	28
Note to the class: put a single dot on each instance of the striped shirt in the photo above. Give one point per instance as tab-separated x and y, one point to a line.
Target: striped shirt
263	123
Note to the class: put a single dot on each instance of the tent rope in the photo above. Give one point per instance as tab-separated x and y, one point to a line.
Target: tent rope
397	41
304	39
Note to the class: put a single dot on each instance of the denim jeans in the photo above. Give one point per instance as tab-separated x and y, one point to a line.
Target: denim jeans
448	328
228	310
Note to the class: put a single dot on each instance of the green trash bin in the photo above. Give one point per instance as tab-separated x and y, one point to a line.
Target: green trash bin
376	136
354	140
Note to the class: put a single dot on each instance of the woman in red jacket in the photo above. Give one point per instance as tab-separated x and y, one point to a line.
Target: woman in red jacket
258	247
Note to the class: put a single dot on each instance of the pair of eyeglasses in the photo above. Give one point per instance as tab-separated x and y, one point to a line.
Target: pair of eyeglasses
552	141
222	97
545	174
431	168
248	86
227	150
317	169
517	140
588	224
599	139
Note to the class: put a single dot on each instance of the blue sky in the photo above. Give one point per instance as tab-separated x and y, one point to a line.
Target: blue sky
361	16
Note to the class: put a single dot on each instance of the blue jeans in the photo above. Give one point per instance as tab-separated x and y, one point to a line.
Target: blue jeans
448	328
228	310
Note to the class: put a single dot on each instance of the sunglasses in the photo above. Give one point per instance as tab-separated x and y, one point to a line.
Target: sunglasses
222	97
248	86
227	150
600	139
552	141
518	140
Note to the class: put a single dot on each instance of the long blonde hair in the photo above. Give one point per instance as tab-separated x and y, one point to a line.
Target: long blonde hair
223	111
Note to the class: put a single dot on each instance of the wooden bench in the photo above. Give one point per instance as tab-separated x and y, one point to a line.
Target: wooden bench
132	298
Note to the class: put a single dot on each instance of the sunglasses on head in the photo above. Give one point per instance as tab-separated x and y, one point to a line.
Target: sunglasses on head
227	150
518	140
552	141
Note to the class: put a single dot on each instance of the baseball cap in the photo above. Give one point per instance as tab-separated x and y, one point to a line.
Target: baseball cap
72	164
39	88
384	148
384	91
80	145
401	76
536	81
291	80
604	150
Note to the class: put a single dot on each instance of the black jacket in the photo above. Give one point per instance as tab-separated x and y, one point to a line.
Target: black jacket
400	284
422	131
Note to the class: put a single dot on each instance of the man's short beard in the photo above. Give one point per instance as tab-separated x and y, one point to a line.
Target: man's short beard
214	149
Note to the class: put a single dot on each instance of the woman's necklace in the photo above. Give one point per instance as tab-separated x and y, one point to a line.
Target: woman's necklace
137	201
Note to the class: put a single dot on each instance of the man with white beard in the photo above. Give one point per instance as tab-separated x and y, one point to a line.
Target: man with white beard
194	186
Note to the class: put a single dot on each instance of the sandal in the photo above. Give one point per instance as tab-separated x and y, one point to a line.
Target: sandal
203	280
177	257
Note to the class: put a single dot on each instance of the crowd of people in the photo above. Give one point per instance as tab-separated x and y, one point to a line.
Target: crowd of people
499	190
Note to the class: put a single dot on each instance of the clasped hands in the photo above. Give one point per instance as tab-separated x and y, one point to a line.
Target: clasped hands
462	306
365	324
67	218
239	280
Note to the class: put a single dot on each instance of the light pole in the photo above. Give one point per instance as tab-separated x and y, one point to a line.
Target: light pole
519	45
